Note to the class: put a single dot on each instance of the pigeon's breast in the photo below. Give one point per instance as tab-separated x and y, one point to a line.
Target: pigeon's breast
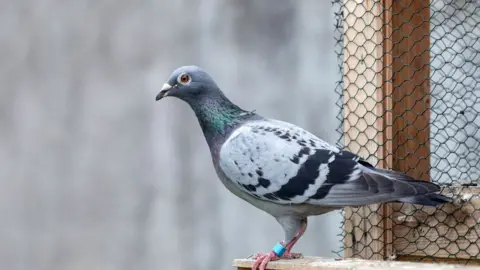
274	209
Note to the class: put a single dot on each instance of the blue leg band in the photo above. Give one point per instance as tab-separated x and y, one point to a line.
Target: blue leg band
279	249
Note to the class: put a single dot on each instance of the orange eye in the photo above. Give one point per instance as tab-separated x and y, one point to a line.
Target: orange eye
184	78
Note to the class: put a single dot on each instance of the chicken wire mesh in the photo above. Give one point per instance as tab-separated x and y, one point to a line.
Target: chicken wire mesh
409	98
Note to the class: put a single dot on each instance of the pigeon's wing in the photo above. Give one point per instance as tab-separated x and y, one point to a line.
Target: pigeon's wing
283	163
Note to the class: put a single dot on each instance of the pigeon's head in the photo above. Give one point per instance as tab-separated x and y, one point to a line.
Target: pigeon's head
187	83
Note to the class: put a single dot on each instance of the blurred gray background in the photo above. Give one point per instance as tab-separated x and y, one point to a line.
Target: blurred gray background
94	174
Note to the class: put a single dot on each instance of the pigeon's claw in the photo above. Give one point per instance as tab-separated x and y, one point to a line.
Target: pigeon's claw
262	259
291	255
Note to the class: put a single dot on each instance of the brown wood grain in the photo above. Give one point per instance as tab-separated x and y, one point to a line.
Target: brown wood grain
411	87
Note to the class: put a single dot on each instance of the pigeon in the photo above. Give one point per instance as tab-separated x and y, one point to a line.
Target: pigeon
283	169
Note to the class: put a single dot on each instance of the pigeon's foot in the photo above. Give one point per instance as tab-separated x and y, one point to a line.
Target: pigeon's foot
281	250
289	246
262	259
287	255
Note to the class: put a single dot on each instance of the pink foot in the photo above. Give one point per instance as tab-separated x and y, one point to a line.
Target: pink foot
261	260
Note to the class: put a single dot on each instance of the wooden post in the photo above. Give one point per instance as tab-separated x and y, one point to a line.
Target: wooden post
411	84
386	105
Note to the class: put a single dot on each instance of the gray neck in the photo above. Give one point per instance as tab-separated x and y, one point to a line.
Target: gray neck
218	116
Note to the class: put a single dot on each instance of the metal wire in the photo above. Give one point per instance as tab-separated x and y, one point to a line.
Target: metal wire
387	58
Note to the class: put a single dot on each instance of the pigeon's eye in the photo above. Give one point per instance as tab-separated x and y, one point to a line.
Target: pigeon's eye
184	78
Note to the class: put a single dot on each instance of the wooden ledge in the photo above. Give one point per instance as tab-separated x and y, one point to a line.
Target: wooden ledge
318	263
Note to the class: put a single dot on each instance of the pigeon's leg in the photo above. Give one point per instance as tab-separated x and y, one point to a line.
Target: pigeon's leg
294	228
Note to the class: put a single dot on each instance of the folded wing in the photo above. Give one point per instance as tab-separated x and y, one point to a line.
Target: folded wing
280	162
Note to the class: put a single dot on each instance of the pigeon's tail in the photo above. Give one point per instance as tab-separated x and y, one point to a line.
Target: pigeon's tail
405	187
432	199
370	185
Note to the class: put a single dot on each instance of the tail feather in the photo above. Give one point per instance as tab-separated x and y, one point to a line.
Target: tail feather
374	185
410	190
432	199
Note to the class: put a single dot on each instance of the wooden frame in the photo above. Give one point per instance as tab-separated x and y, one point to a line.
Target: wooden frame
386	47
387	119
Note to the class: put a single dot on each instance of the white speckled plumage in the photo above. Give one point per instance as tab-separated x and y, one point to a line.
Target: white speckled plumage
264	149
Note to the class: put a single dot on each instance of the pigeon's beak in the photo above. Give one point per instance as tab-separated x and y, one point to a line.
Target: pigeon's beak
164	91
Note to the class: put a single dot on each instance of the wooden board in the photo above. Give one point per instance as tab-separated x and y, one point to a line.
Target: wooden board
317	263
449	231
424	259
390	128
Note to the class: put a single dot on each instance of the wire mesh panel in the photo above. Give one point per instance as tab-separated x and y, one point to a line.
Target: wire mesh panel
409	96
